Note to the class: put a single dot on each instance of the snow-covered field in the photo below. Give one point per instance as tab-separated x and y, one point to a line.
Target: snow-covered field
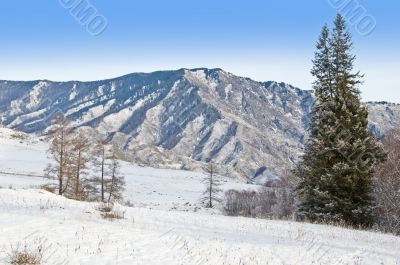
23	159
165	225
75	233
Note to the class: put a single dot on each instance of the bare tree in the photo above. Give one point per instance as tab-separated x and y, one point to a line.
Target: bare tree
115	185
212	192
82	185
285	193
387	185
100	156
60	149
276	199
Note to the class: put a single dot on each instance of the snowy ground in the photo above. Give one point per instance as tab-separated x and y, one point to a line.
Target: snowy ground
162	227
23	159
75	233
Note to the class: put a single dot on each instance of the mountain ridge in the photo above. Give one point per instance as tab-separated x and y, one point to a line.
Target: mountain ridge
184	118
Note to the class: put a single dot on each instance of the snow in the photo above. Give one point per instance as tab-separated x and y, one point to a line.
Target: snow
21	154
228	91
15	106
199	77
100	90
23	162
34	95
113	122
74	93
167	189
31	100
113	87
75	233
187	145
94	113
165	225
23	118
97	111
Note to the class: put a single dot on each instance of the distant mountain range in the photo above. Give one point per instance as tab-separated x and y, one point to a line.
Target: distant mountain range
181	119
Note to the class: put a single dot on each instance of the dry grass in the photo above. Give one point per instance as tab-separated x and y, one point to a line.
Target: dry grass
105	208
48	188
113	215
109	213
25	256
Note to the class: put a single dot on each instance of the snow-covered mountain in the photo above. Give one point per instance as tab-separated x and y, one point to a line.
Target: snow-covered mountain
182	118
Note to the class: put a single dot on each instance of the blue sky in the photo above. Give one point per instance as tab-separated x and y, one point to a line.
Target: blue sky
261	39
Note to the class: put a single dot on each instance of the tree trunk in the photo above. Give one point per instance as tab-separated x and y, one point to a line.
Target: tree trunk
102	175
60	174
78	169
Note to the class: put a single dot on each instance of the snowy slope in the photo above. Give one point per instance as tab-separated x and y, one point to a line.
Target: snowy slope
74	233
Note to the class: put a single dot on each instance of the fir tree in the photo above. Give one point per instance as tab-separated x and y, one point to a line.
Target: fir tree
336	170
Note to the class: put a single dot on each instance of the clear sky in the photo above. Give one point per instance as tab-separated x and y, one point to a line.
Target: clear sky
261	39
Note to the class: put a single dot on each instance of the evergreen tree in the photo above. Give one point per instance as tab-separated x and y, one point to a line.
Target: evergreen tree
336	170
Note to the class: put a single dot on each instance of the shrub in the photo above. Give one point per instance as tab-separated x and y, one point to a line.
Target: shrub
105	207
113	215
25	255
48	187
387	186
275	200
109	213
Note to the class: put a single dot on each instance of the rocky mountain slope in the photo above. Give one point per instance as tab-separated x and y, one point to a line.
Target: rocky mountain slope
182	118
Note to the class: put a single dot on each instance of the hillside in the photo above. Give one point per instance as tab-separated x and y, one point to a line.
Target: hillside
73	232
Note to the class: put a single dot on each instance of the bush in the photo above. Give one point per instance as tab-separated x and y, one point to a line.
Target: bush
25	255
275	200
113	215
109	213
387	186
105	208
48	187
241	203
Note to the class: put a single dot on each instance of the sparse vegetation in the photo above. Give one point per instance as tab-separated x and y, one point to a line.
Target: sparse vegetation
108	212
275	201
113	215
25	255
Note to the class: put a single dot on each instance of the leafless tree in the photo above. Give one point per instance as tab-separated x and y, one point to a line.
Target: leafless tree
115	185
212	192
276	199
100	156
60	150
285	193
83	186
387	185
